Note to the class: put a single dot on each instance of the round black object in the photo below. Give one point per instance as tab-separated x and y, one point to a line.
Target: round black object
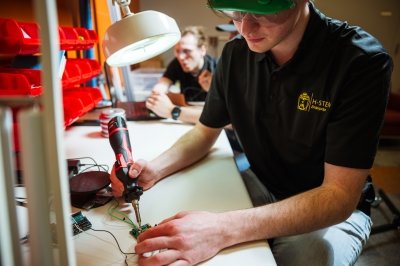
84	187
89	182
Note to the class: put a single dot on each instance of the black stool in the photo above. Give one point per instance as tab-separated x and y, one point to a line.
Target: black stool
395	222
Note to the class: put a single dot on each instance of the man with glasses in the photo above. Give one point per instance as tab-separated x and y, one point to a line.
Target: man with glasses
192	68
306	95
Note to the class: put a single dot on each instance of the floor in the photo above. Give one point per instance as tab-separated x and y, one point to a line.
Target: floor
383	249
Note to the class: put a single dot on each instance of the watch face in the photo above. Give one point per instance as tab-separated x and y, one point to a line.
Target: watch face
176	112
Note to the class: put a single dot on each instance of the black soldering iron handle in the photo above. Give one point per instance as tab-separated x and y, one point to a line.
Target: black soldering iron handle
120	143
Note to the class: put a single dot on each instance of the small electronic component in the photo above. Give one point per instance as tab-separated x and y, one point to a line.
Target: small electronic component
80	223
135	232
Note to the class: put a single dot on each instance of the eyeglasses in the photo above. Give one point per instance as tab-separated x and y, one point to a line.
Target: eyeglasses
185	52
238	16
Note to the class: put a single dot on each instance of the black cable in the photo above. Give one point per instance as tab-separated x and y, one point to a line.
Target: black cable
104	167
116	241
85	157
99	166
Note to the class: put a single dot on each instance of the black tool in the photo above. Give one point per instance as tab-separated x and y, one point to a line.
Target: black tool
119	140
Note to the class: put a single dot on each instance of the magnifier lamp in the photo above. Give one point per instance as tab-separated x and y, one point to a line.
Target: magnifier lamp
138	37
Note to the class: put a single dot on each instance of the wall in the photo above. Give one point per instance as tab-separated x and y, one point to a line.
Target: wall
365	13
23	10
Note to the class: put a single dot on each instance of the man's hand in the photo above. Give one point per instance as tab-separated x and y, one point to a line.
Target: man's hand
184	239
160	104
141	168
205	78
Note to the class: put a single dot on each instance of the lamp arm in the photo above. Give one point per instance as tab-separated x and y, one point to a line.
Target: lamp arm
124	5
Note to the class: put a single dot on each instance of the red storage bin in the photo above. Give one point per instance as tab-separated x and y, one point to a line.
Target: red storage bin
69	38
73	109
19	37
72	74
77	38
84	96
20	82
94	94
83	39
93	38
95	66
86	69
78	71
24	75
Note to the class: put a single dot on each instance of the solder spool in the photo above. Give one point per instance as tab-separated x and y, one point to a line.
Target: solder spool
106	115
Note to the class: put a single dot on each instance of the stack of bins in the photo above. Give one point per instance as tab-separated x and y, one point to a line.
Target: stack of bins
22	76
77	98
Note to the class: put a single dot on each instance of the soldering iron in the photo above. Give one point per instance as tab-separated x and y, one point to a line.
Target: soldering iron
120	143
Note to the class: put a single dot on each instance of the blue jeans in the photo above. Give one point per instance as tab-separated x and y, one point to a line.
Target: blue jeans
339	244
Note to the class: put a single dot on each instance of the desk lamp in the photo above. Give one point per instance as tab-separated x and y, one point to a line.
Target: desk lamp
138	37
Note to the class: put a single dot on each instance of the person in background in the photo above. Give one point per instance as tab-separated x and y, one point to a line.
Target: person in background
192	69
306	94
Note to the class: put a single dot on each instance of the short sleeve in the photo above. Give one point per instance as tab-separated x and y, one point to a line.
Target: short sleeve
355	124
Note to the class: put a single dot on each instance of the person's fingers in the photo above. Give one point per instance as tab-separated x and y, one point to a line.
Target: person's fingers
152	244
152	98
166	257
179	263
116	184
205	74
136	168
160	230
149	103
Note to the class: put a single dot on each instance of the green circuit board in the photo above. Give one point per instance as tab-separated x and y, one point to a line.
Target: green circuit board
135	232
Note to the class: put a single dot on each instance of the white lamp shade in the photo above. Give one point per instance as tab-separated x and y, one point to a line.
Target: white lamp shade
139	37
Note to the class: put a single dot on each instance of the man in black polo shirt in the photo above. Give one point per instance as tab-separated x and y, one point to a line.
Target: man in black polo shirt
192	68
306	95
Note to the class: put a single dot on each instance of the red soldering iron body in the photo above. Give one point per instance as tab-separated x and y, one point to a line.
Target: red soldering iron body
120	143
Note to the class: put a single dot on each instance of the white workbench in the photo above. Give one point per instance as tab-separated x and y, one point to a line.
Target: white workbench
213	184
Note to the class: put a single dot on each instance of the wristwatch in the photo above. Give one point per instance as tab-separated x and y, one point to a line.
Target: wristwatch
176	112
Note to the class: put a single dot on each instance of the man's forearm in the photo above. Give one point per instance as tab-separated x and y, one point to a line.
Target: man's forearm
189	149
306	212
190	114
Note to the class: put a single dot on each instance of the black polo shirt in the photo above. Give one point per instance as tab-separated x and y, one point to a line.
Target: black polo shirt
325	105
190	86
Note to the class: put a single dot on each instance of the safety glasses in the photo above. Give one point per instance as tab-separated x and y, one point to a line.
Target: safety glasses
238	16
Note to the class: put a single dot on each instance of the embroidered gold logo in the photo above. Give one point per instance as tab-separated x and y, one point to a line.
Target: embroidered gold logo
307	102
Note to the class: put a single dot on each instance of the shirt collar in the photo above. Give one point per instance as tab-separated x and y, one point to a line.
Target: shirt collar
306	56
